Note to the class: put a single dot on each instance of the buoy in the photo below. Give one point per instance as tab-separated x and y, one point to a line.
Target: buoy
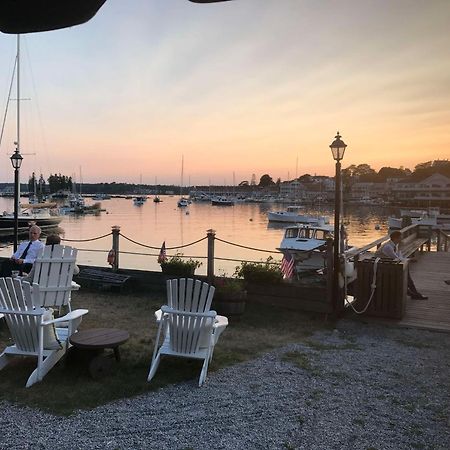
251	220
111	257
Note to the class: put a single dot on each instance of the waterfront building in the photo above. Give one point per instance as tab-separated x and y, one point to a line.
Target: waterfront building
433	190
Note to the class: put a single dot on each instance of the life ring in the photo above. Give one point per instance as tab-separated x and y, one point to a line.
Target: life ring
111	257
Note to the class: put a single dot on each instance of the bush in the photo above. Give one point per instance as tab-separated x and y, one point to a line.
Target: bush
228	286
178	267
261	272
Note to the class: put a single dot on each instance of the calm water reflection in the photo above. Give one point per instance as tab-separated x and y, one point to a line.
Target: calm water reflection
154	223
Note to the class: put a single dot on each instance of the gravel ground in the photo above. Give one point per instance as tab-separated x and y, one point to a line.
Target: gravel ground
357	387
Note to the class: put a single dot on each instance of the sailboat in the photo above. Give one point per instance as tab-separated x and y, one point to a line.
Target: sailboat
182	202
156	198
42	214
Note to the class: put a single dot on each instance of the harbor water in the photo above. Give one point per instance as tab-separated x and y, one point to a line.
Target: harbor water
153	223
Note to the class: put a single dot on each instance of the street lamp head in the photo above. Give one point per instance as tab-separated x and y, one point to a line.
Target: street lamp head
338	147
16	159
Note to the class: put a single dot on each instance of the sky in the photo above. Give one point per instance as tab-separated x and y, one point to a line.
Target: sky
243	87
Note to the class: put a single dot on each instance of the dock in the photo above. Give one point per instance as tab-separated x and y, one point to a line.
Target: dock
430	272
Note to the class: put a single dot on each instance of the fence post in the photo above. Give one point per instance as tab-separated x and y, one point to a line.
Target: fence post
446	243
438	245
115	246
211	234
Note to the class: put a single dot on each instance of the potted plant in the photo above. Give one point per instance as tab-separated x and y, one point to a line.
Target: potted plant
229	297
175	266
266	272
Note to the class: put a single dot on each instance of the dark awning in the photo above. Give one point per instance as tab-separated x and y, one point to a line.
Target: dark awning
28	16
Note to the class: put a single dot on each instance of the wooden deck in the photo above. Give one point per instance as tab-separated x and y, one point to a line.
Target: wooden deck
429	274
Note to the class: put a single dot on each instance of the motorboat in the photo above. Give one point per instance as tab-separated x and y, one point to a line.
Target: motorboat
139	200
399	222
307	244
222	201
292	215
41	214
157	199
182	202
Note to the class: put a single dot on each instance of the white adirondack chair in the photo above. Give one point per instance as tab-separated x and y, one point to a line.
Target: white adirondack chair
185	294
185	334
53	271
24	316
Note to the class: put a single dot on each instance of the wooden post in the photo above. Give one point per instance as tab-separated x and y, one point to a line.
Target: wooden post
115	246
211	234
330	272
446	243
438	247
430	233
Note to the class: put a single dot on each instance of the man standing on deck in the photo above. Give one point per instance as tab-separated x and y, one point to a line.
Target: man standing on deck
27	252
390	250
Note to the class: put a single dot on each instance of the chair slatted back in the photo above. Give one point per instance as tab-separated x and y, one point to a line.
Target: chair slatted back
22	312
186	294
54	272
187	329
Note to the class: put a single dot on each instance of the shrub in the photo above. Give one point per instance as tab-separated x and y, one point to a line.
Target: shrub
176	266
260	272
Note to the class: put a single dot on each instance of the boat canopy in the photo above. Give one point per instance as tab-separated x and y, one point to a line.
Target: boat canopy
30	16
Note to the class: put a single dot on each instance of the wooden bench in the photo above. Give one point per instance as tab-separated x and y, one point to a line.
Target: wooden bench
411	244
103	278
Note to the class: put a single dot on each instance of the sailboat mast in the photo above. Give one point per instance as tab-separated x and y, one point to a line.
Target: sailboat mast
18	92
18	107
182	174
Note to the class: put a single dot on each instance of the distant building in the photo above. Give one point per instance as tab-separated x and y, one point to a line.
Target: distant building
368	190
433	190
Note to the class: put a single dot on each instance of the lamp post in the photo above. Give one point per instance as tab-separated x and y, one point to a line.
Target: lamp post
16	161
337	149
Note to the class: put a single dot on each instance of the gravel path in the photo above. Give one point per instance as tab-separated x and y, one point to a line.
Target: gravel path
358	387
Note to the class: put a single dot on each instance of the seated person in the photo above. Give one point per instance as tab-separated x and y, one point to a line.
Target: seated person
52	239
390	250
27	252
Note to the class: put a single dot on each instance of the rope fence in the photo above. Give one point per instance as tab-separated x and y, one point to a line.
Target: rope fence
210	256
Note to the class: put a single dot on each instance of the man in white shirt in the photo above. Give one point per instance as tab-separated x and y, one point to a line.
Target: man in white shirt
25	255
390	250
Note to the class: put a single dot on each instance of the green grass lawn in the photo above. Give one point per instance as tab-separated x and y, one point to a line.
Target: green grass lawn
69	387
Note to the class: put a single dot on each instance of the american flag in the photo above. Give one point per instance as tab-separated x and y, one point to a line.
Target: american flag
162	253
287	265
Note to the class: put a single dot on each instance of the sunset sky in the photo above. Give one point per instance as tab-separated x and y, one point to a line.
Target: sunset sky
241	86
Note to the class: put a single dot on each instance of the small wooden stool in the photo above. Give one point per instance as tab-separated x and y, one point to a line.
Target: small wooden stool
97	339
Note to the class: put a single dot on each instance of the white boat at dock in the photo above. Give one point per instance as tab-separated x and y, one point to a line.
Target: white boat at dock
431	217
291	215
307	244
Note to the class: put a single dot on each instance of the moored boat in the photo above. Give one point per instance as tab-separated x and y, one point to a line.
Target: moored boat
291	215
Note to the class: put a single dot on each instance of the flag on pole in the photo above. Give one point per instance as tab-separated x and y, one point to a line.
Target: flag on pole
287	266
162	253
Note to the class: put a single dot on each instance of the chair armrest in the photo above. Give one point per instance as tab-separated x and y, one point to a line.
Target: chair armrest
68	317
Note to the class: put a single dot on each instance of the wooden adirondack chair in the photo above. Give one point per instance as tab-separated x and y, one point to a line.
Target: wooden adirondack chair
185	338
185	294
53	271
24	316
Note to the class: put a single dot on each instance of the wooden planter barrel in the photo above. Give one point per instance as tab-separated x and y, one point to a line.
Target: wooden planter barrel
290	295
229	304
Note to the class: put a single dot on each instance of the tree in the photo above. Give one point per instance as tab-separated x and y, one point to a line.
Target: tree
243	183
31	182
391	172
266	180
